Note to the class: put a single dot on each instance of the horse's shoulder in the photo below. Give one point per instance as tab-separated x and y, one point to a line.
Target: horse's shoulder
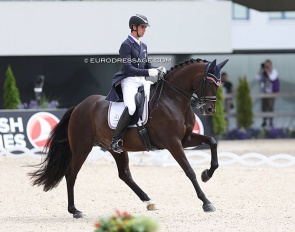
189	117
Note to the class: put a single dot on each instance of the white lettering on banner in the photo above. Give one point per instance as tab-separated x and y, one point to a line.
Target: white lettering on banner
4	127
20	140
18	124
8	128
10	140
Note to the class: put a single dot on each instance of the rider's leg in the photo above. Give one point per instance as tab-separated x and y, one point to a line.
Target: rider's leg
117	141
129	89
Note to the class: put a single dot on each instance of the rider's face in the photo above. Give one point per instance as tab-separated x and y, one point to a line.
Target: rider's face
141	30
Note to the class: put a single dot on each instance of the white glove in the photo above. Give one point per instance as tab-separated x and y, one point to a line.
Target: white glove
162	69
153	72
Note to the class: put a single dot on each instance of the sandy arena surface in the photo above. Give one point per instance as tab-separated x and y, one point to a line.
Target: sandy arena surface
246	198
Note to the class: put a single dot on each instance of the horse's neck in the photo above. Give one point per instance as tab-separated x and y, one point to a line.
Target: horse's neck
178	85
182	77
164	95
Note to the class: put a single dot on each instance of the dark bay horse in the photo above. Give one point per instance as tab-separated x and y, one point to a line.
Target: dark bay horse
170	127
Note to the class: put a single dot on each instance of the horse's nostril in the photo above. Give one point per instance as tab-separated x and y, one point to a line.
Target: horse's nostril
210	110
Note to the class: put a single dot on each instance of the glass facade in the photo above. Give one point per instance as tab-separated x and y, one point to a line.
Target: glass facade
240	12
282	15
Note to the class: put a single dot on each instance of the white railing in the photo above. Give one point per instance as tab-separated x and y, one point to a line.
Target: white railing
163	158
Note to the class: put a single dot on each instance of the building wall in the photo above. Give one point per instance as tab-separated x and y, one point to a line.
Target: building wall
262	33
99	27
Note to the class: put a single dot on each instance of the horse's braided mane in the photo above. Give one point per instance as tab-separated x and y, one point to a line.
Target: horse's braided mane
180	64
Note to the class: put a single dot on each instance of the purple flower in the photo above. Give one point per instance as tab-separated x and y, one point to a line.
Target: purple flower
33	104
238	134
23	106
53	104
253	132
275	133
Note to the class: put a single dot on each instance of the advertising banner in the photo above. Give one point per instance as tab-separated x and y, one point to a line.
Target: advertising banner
27	128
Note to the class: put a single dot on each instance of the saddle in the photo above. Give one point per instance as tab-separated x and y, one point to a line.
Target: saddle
138	119
140	116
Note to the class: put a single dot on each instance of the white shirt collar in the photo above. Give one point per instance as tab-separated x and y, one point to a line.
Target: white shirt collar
136	40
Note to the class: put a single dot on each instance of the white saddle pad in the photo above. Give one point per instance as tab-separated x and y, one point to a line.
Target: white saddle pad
116	110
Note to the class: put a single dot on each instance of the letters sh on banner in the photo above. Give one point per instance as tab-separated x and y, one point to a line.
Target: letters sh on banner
27	128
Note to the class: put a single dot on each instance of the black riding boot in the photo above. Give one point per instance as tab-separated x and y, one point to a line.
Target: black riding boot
117	141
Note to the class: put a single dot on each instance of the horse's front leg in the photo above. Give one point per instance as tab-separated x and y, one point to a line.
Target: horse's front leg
122	161
194	140
178	153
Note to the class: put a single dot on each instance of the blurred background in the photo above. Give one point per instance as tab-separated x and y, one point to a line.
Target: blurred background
71	44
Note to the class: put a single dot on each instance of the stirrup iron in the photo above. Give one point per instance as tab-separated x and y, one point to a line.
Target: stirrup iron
117	145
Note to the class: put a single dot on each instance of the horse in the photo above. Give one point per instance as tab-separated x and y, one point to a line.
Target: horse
170	125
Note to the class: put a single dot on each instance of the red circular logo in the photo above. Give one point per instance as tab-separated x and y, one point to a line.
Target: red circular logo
198	128
39	127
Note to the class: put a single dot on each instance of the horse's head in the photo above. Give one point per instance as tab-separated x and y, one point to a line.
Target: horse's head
195	77
208	87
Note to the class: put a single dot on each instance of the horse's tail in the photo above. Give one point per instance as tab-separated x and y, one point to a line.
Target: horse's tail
53	168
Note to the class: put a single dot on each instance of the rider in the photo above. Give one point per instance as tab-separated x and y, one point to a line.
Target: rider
135	69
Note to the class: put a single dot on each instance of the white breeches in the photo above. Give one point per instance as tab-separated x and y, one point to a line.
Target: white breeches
129	87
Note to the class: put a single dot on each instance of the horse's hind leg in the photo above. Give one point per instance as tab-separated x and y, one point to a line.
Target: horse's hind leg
177	152
122	161
78	157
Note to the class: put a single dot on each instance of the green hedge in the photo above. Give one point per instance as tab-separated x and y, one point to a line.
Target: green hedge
11	93
244	104
218	119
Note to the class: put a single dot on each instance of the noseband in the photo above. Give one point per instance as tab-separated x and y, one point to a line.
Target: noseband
201	101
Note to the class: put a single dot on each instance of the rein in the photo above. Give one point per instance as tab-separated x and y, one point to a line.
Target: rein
155	105
201	101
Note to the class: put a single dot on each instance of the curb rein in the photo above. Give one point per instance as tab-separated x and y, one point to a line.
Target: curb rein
201	101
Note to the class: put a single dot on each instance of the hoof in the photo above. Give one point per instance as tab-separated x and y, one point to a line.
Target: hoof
205	177
151	206
78	215
209	208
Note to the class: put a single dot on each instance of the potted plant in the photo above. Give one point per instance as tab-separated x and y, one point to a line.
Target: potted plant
244	108
218	118
125	222
11	92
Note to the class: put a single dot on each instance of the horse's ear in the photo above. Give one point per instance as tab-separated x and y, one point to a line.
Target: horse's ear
212	65
220	66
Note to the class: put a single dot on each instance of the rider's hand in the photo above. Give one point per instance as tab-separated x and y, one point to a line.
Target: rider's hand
162	69
153	72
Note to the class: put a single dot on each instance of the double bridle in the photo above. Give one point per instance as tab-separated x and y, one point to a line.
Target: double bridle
202	100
